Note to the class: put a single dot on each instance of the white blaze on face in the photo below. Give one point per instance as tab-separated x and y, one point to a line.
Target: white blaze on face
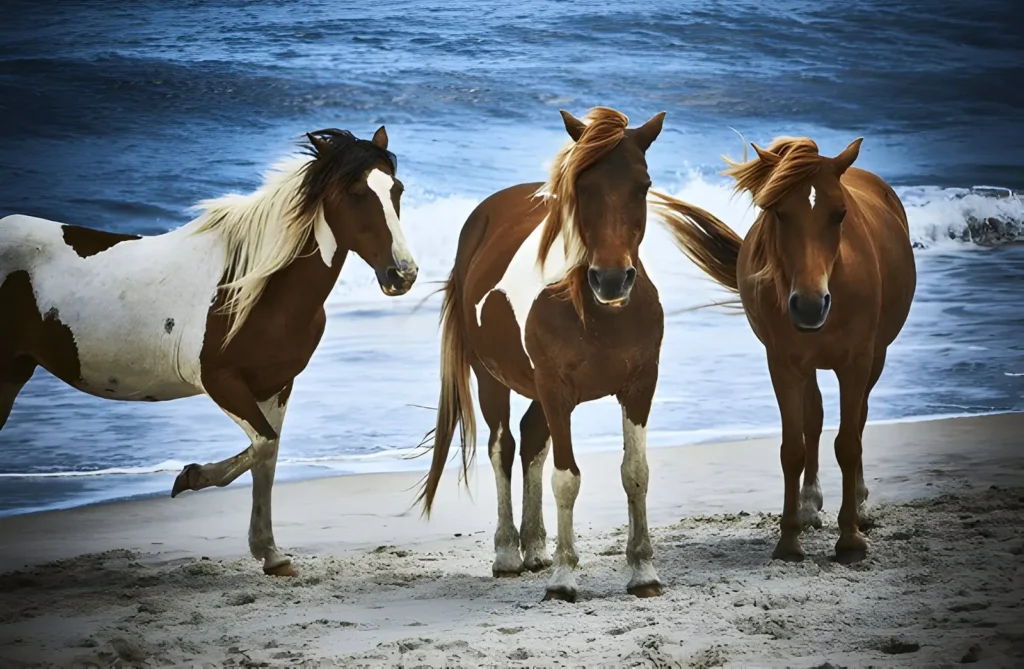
381	184
811	197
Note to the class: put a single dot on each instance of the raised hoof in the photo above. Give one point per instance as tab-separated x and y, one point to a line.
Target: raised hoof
560	593
184	480
536	564
646	590
851	549
285	569
788	551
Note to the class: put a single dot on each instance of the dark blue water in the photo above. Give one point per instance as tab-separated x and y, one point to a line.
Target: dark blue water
122	116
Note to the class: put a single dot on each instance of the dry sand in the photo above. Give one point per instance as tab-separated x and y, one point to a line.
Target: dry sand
162	582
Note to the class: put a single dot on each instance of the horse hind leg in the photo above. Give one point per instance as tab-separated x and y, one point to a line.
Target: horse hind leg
494	405
811	499
13	377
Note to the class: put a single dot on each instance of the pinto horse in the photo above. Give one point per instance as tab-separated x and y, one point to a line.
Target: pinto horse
826	277
230	305
548	298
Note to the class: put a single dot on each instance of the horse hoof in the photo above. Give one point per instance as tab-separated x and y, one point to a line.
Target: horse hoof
561	593
851	548
505	573
646	590
811	519
536	564
788	551
184	480
285	569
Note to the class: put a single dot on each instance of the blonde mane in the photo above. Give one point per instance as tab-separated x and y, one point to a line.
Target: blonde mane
605	128
263	232
792	161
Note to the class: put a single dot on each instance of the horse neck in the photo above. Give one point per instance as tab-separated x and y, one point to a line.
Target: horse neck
300	290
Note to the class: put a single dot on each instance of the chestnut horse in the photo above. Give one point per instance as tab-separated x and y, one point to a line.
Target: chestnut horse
826	277
230	305
548	298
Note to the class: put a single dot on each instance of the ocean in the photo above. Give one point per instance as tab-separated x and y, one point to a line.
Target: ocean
121	117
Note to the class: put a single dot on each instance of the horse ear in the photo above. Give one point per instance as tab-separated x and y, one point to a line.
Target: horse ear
573	125
320	145
380	138
765	155
848	155
645	135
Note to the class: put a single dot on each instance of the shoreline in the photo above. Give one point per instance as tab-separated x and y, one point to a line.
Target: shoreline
755	486
170	581
289	472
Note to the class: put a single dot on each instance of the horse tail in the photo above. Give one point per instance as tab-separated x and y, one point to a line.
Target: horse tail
711	244
455	404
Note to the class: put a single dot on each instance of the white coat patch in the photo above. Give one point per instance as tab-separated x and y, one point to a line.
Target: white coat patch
811	197
381	184
137	310
525	279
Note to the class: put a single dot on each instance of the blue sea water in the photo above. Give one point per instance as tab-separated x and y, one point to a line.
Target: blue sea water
121	116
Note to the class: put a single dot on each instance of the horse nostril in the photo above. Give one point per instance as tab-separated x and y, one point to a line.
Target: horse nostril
594	277
826	302
393	275
794	302
630	278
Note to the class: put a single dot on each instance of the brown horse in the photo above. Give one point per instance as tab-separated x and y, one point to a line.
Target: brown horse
826	276
548	298
230	305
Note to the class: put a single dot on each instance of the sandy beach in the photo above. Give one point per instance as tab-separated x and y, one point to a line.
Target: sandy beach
161	582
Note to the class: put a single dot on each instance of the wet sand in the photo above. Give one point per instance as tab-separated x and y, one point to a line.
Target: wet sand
168	582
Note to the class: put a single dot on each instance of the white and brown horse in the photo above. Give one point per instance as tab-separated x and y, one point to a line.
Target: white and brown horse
230	305
548	298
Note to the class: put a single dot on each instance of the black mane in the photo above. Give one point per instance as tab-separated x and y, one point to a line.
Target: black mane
347	160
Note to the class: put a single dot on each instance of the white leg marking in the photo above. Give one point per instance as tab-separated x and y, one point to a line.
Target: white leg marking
566	487
811	502
261	528
506	539
635	475
863	509
381	184
534	535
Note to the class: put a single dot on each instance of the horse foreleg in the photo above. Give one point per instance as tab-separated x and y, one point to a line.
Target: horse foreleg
811	499
261	527
229	392
636	407
853	384
790	385
535	443
866	519
565	483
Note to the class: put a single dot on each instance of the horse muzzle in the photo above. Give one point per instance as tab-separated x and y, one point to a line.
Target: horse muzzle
809	312
397	279
611	287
